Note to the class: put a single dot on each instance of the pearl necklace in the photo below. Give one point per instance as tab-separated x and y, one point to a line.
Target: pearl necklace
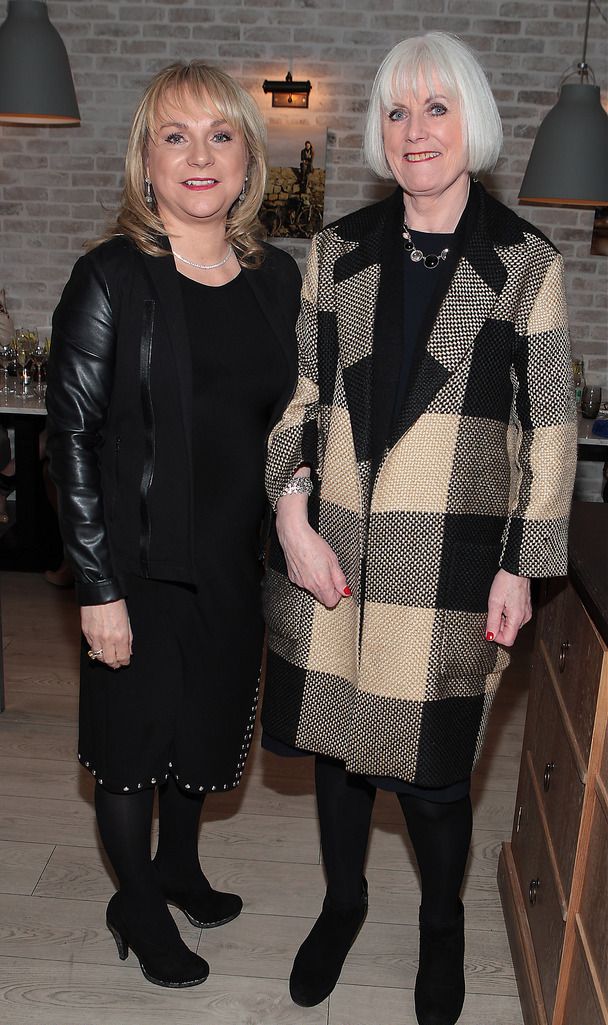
204	266
431	260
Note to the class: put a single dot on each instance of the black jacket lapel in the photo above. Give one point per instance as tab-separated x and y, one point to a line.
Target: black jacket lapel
165	278
267	290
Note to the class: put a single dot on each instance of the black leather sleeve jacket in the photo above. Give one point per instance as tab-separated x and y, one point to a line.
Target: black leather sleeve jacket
120	315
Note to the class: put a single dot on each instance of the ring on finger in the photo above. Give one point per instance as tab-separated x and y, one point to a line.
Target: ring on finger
95	654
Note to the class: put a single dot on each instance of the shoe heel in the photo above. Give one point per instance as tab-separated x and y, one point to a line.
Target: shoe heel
121	943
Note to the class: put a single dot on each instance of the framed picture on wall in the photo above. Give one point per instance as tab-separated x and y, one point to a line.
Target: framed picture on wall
295	188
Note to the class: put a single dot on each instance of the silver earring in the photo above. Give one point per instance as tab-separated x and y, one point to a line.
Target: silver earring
149	196
243	192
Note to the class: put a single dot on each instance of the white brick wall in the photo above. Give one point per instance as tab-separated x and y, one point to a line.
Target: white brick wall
56	185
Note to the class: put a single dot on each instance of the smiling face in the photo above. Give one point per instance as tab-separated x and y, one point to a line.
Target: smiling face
197	164
423	141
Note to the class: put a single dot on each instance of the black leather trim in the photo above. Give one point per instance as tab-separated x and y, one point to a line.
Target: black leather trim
145	364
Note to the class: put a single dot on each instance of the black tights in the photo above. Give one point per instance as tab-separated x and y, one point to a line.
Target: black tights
125	822
440	835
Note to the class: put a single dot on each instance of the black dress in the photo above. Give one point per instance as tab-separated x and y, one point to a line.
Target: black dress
186	704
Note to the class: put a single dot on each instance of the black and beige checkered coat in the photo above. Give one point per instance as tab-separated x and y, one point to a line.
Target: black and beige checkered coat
476	474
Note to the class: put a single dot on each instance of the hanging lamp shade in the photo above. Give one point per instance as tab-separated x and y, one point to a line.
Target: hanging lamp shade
569	159
36	86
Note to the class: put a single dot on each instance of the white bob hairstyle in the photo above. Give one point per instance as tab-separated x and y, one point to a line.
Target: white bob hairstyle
440	60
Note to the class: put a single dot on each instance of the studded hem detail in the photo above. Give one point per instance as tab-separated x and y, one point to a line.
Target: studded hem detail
159	778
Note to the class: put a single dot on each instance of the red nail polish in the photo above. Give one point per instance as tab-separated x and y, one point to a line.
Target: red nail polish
489	636
347	591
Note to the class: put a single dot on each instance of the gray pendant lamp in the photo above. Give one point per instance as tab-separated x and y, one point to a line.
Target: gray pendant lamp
569	160
36	86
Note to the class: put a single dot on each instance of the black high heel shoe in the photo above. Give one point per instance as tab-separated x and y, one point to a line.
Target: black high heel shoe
320	959
208	911
171	963
205	909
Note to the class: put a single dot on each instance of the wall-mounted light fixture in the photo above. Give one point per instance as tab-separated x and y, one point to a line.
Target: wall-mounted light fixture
36	86
569	160
288	93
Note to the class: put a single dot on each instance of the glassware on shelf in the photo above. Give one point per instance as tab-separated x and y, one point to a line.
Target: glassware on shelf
7	357
591	401
37	364
578	370
25	341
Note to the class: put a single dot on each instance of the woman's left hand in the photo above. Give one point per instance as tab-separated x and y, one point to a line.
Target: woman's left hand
509	607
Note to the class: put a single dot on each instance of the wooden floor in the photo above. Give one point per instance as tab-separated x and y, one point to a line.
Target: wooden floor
58	963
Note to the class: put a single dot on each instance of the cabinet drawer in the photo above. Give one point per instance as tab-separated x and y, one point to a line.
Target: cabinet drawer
550	615
538	890
581	1003
592	913
576	662
558	779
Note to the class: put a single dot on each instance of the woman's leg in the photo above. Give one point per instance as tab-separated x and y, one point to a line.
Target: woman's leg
138	915
177	865
345	804
441	837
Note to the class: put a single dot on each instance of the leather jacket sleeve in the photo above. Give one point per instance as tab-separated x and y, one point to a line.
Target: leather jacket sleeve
79	385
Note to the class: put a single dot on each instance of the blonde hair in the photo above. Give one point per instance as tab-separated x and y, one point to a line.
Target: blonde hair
436	57
201	83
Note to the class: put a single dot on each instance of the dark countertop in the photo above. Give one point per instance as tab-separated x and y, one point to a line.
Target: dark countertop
588	559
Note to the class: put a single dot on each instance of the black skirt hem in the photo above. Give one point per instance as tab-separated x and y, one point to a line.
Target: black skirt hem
157	779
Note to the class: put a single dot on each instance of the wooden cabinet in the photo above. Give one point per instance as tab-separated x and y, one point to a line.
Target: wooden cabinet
553	875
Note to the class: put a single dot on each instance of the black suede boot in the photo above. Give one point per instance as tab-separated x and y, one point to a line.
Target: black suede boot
439	991
319	960
204	907
163	956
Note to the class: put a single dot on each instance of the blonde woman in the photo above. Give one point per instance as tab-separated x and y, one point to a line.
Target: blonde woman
173	355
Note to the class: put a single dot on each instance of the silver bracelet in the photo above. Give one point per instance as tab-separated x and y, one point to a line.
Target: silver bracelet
298	486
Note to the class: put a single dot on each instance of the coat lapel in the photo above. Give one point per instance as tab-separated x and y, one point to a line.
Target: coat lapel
357	282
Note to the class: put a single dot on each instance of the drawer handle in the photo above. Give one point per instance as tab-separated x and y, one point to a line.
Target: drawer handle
533	890
563	653
549	768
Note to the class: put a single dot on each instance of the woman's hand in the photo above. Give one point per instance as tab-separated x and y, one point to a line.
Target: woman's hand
107	629
311	563
509	607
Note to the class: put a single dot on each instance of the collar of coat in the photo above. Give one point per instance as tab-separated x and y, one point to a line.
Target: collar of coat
368	282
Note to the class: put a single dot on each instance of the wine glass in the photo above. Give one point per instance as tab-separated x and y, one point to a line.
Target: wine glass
38	357
7	356
24	342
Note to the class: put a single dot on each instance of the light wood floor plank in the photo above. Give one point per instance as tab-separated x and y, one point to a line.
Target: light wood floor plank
47	993
364	1005
21	865
28	740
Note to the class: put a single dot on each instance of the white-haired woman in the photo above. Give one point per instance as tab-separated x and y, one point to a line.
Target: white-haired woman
421	475
173	354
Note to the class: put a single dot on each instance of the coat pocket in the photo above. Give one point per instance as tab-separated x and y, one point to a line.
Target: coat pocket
465	652
282	604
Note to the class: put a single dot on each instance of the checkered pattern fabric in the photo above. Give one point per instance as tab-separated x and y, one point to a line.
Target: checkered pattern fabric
399	680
